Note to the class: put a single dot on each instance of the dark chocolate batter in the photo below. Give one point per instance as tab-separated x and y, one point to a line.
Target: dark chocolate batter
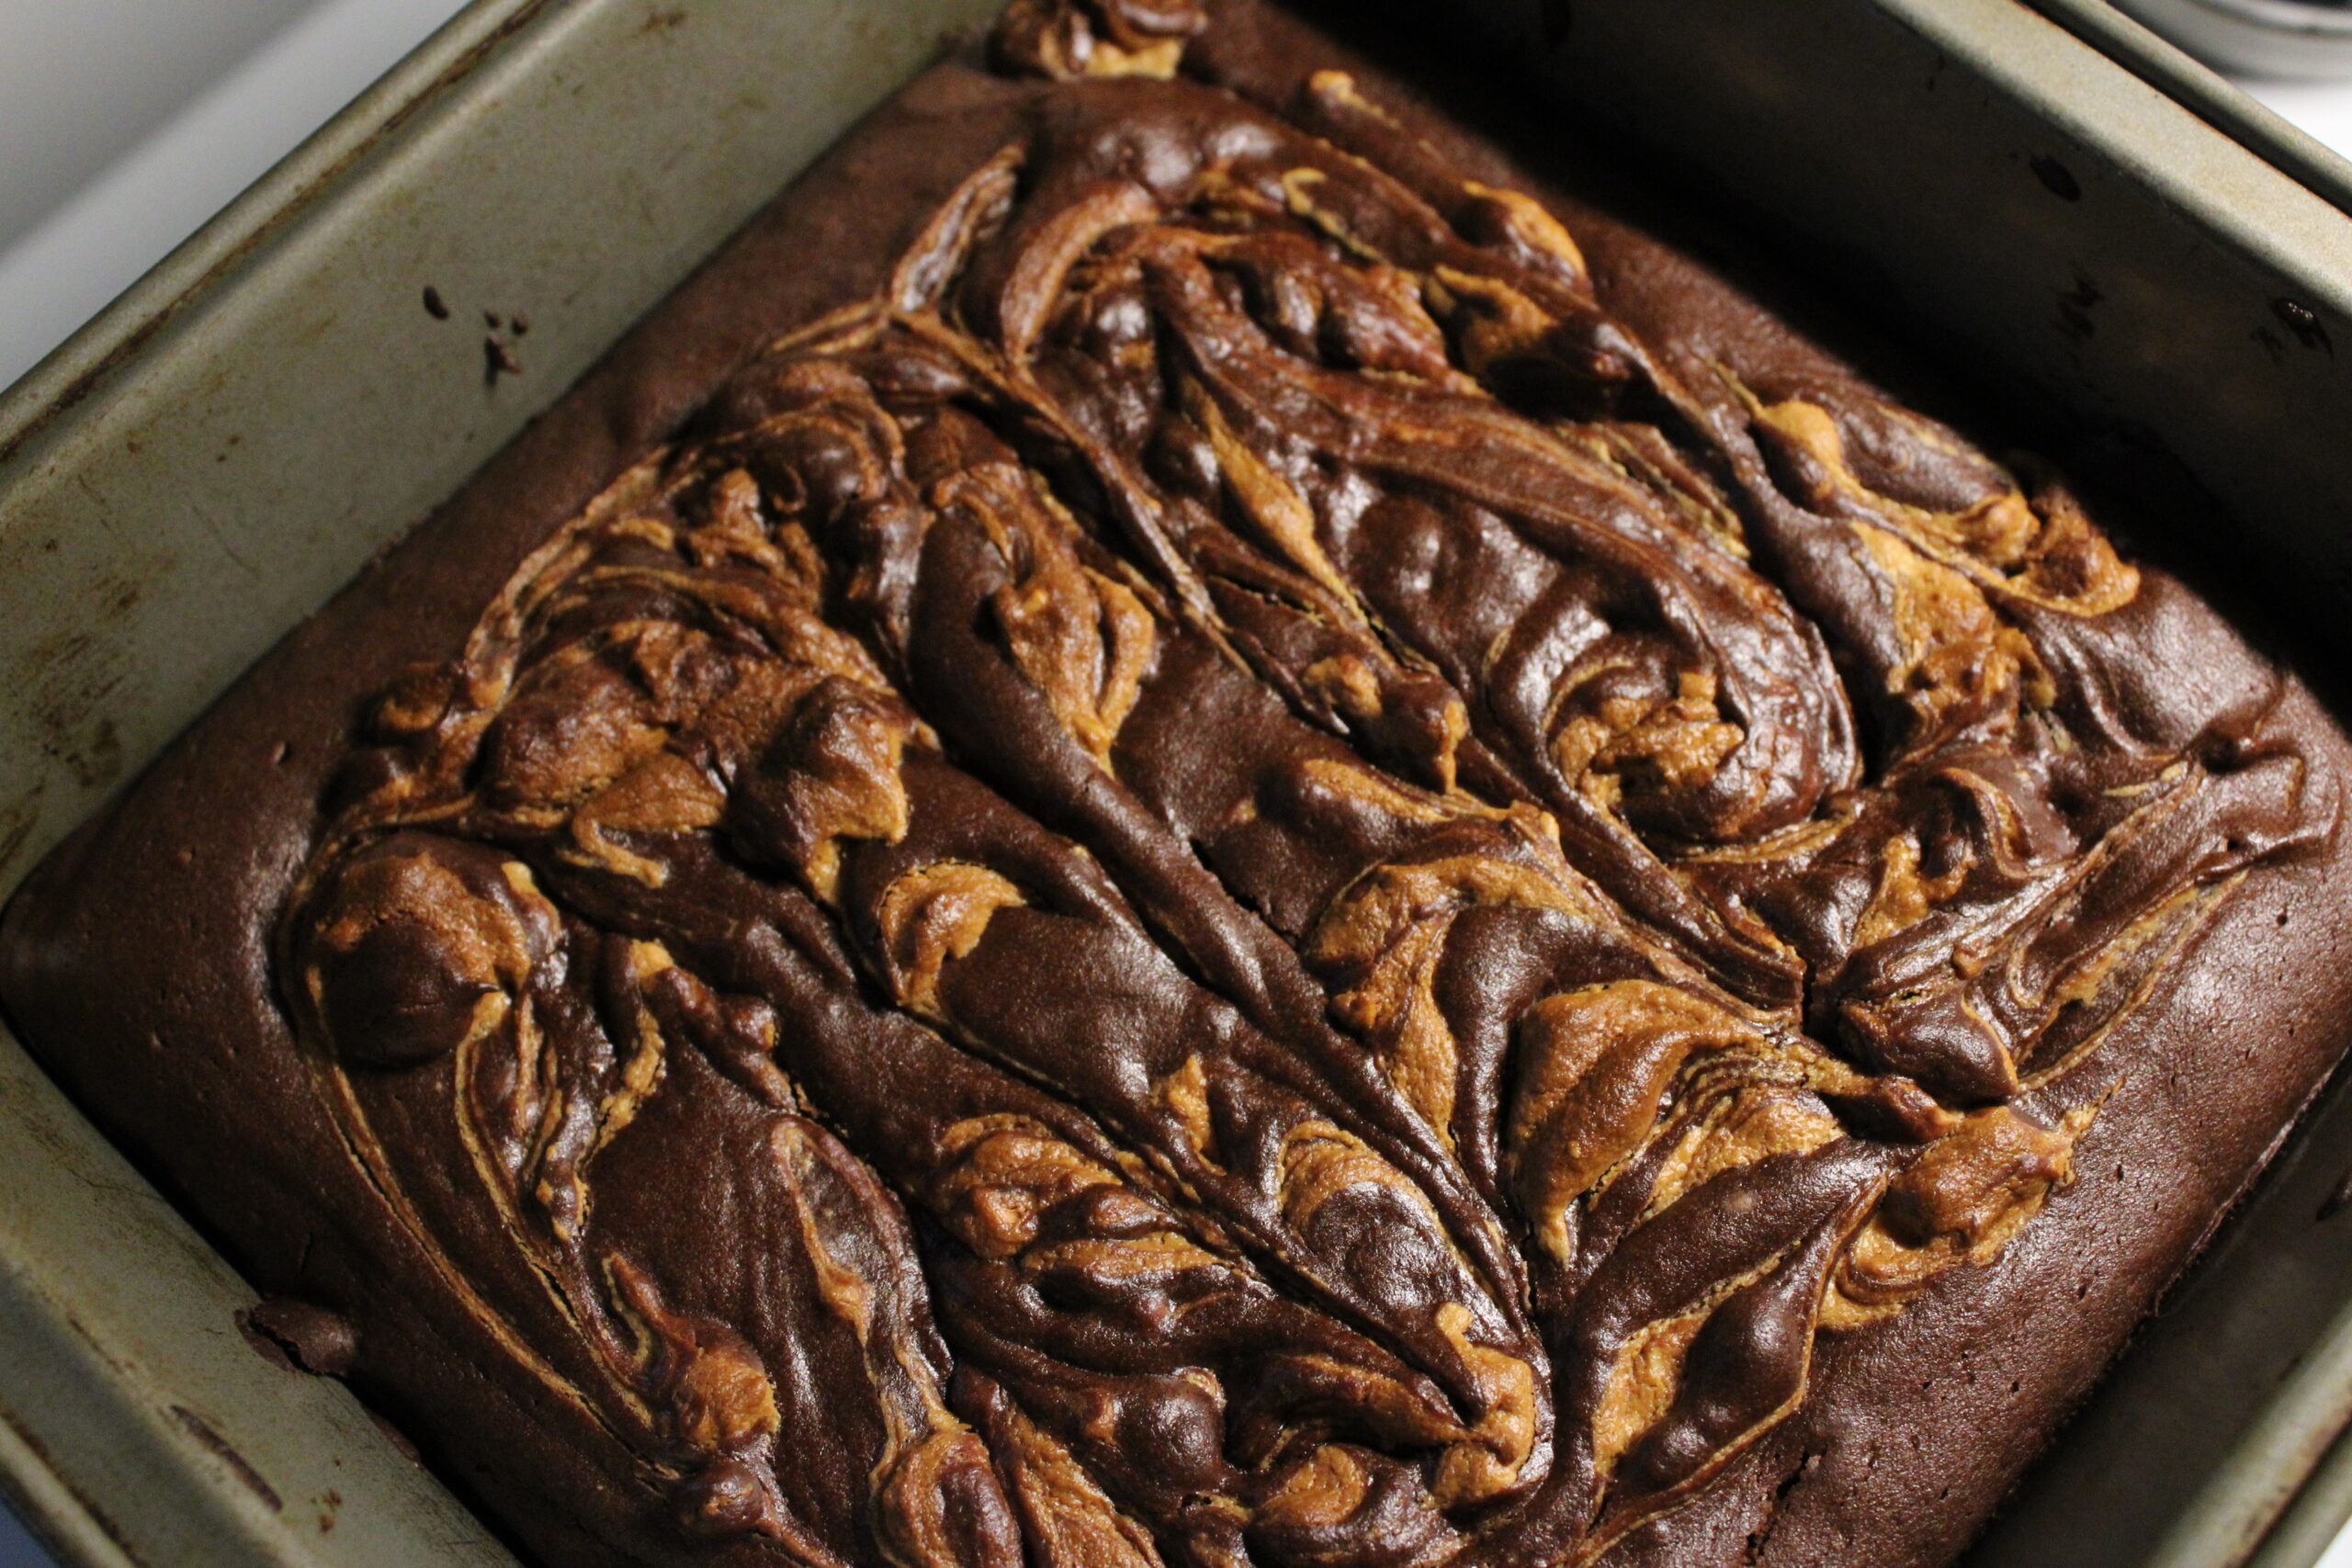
1279	856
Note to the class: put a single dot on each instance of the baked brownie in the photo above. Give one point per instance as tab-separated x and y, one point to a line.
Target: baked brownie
1271	852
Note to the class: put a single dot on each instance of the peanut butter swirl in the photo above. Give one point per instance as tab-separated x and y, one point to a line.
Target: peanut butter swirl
1292	900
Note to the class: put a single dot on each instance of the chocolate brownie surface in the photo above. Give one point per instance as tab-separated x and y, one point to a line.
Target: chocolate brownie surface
1185	828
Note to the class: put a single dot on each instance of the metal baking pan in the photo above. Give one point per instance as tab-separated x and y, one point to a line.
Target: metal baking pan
2173	72
207	461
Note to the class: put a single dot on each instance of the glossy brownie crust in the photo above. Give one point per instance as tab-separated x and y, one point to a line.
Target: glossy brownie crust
1273	858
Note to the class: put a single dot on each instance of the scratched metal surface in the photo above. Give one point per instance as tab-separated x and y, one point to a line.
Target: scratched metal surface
212	458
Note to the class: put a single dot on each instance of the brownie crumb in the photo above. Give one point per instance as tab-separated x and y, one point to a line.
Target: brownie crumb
300	1337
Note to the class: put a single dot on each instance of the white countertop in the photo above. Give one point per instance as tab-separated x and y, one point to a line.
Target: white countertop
127	123
2323	108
